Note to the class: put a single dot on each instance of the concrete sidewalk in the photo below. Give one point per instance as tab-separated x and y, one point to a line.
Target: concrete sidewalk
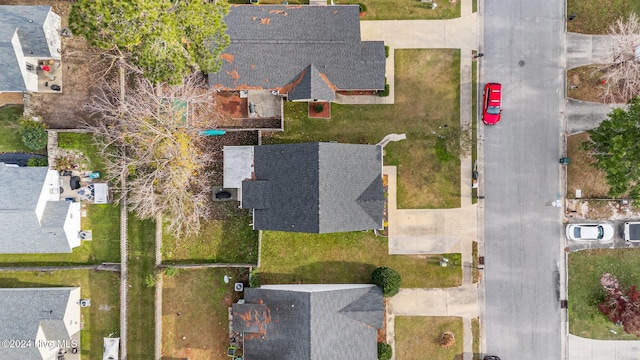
590	349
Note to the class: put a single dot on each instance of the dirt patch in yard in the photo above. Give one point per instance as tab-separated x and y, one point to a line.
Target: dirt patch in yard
581	174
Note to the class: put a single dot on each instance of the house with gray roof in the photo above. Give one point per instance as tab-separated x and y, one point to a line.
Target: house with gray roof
308	187
46	321
28	34
310	322
306	53
34	220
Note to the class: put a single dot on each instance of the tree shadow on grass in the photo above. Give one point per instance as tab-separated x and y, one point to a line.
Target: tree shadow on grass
324	272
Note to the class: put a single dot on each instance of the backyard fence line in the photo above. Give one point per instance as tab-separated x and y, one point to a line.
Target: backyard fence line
158	291
50	268
205	266
124	273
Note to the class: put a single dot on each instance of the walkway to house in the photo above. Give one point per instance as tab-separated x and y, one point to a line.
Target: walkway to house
437	231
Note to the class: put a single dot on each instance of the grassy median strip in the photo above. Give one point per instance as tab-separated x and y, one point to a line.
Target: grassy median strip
100	320
585	291
427	102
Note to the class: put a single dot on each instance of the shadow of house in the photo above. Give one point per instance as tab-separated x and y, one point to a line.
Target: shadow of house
304	53
309	187
308	322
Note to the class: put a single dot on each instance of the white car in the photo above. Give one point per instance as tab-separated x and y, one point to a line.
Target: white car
598	232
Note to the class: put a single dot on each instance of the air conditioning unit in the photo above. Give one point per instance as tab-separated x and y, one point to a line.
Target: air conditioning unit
275	92
85	302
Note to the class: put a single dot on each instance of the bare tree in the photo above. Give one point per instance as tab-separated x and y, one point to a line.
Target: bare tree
622	71
152	136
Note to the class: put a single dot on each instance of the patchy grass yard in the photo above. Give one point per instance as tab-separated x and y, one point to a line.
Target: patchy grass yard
595	16
404	9
226	240
345	258
585	291
201	298
101	319
421	108
104	220
82	142
141	304
10	140
418	336
581	174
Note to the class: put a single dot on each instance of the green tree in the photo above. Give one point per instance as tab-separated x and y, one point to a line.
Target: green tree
387	279
34	134
615	147
165	39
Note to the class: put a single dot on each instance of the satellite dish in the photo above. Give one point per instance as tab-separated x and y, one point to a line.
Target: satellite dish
226	279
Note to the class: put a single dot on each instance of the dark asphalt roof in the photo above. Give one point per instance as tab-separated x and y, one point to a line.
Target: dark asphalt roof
278	47
316	187
310	322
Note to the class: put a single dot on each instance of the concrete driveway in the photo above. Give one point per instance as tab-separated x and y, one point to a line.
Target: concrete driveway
585	49
589	349
586	115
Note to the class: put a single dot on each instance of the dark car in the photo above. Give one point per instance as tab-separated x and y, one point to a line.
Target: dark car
491	103
491	357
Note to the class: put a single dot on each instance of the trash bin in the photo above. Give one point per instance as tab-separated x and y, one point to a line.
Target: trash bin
565	160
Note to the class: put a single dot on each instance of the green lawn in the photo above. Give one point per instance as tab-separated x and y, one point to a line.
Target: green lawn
474	122
475	330
417	337
101	319
595	16
421	109
104	220
585	291
404	9
387	10
10	140
141	297
202	298
345	258
228	240
84	143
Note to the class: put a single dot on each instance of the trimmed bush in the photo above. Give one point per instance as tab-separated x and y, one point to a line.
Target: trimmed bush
363	7
37	161
384	351
318	108
254	279
385	92
34	134
386	50
387	279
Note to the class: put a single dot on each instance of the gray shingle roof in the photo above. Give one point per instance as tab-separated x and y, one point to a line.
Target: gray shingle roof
28	22
316	187
20	190
273	46
311	322
23	311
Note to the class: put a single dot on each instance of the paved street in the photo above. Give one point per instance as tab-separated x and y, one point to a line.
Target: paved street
524	50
